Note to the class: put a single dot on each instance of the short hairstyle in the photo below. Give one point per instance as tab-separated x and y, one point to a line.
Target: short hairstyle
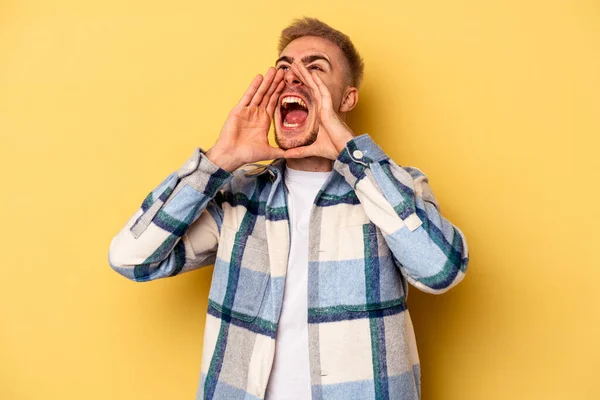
313	27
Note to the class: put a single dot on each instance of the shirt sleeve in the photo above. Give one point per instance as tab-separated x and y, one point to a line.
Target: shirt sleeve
177	227
429	250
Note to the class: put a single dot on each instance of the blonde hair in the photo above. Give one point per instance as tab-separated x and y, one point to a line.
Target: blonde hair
313	27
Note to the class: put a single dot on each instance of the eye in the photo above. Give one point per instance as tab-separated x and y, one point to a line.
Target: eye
283	67
315	68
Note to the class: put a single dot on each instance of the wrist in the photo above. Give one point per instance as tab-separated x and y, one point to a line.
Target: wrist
222	159
341	143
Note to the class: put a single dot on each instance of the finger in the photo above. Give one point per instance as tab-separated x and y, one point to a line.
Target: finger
305	76
245	100
274	85
296	71
324	90
300	152
264	86
274	98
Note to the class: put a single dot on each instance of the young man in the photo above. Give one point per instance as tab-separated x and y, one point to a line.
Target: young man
313	251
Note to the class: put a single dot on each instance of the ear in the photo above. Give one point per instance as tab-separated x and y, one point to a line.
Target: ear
349	99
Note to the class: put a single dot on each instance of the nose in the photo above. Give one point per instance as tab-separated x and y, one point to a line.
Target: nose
291	79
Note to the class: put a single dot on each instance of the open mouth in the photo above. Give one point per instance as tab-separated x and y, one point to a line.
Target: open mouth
294	112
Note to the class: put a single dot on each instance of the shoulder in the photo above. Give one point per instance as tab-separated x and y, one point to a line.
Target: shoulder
415	172
391	167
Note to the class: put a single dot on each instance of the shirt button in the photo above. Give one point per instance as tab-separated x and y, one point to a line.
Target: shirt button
357	154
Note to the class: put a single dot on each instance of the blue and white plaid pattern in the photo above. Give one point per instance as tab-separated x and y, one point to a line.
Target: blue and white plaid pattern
374	227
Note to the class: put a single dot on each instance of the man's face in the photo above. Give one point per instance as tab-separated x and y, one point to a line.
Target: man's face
296	120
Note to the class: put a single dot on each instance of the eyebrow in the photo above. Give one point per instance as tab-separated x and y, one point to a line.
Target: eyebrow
305	60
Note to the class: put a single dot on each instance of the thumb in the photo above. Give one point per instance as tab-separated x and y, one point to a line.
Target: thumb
298	152
275	152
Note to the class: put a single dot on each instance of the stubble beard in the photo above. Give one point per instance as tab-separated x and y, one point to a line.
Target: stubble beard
307	140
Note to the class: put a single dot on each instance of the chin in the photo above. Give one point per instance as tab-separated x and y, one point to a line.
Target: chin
287	139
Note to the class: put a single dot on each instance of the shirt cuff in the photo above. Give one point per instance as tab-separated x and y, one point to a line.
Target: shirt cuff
202	174
356	156
362	149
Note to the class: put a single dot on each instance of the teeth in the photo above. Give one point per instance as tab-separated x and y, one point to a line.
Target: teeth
293	99
290	125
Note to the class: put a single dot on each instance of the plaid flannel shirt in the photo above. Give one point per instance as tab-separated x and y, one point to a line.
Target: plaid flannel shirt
374	226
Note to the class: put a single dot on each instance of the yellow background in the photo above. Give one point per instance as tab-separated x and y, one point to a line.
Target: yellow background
497	101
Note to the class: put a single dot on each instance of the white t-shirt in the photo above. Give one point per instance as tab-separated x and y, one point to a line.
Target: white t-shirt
290	377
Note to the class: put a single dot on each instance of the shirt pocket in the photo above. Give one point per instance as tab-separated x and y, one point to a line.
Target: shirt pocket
240	276
368	277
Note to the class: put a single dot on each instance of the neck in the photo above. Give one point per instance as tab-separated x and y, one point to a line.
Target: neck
311	164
